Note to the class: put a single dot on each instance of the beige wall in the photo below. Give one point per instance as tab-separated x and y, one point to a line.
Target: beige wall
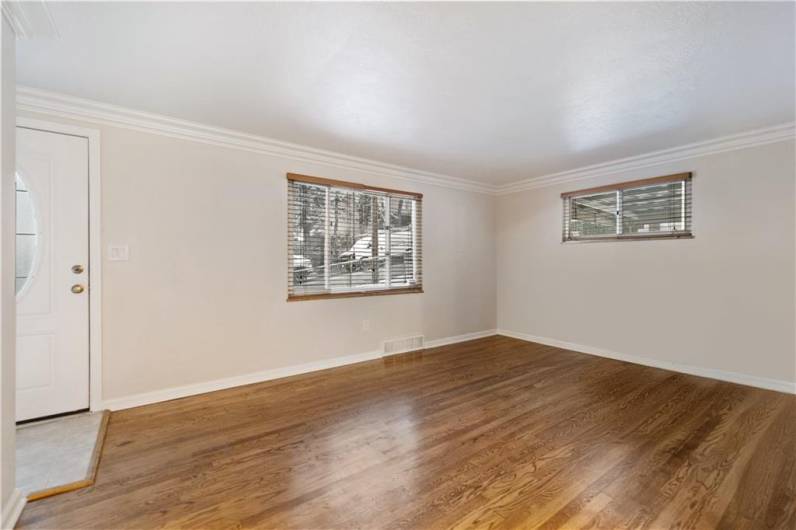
724	300
203	294
7	296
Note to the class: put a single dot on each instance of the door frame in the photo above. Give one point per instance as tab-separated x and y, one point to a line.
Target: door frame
94	246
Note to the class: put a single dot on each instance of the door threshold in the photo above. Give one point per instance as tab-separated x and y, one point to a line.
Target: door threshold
52	417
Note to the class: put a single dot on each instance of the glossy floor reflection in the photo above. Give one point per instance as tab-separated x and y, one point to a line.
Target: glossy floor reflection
494	432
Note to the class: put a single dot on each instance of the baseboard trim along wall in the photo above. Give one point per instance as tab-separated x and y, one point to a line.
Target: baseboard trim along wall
778	385
13	509
436	343
167	394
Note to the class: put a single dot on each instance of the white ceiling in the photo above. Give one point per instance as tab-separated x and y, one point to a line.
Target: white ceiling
490	92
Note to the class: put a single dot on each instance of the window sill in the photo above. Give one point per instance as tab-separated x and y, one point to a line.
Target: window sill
608	239
353	294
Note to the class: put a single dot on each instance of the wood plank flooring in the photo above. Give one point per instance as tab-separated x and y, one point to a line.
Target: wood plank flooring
492	433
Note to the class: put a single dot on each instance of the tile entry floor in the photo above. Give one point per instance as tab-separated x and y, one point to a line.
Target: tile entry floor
56	452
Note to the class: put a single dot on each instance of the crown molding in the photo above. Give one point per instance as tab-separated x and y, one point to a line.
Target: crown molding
29	19
63	106
768	135
69	107
15	18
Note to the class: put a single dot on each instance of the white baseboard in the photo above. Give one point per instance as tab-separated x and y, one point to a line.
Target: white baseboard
157	396
167	394
778	385
13	509
436	343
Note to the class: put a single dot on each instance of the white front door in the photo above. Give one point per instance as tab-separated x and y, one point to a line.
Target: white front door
52	272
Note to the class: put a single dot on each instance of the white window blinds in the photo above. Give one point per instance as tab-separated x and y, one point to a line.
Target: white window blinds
346	239
658	207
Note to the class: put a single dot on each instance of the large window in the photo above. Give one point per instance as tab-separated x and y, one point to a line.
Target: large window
346	239
658	207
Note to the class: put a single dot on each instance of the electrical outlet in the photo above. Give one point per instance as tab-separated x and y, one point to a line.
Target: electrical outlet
366	325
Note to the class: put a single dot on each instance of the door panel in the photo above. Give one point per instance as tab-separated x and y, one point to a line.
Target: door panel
52	236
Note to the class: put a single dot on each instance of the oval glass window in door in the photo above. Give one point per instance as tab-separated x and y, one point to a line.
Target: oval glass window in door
27	235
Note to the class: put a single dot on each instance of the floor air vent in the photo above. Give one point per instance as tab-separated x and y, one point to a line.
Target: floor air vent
392	347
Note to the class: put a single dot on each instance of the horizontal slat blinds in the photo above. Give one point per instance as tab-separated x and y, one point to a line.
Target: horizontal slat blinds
659	207
347	239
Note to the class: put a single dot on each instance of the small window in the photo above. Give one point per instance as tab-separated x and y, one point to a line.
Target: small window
27	240
657	207
347	239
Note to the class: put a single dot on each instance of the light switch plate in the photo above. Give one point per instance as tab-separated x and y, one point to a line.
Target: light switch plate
118	253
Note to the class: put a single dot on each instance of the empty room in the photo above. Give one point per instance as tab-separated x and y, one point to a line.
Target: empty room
382	265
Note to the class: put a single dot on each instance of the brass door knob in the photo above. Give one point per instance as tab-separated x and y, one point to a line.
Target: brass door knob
77	269
77	288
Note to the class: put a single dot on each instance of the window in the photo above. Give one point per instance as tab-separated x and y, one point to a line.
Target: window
27	235
346	239
658	207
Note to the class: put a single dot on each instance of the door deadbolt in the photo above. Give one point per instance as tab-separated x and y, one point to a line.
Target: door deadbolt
77	288
77	269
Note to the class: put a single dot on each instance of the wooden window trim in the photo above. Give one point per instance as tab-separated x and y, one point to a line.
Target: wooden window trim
354	294
619	189
627	185
635	237
321	181
412	288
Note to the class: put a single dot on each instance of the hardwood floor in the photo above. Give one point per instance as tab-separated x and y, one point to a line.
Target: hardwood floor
492	433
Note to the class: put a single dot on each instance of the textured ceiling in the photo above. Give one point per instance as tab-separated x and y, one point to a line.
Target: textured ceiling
489	92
